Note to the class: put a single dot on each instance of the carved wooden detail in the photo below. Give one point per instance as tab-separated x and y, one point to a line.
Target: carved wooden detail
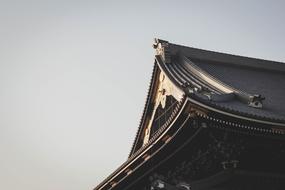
165	89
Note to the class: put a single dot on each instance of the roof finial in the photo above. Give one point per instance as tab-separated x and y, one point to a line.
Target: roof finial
162	49
256	101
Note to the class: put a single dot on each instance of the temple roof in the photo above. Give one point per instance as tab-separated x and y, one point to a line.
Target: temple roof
188	84
248	87
245	88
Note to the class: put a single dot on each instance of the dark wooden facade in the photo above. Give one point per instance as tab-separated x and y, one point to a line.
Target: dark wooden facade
211	121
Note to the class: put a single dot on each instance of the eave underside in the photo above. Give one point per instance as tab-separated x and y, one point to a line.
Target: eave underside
215	141
205	149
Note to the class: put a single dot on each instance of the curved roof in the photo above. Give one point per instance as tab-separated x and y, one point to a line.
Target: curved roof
249	87
242	87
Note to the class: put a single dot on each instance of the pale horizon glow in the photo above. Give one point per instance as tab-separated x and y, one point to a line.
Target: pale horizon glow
74	77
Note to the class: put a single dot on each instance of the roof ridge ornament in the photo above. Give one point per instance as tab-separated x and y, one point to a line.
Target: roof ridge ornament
252	100
256	101
162	49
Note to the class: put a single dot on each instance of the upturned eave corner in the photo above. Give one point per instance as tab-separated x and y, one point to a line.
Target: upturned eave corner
161	86
162	49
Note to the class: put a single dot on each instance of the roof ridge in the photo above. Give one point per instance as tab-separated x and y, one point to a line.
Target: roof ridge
228	58
226	54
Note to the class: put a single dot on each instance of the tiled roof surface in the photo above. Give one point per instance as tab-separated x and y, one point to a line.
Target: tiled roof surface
246	76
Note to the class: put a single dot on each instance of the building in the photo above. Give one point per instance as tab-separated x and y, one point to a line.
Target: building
211	121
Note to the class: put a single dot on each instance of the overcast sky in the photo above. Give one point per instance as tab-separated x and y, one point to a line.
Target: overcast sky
74	77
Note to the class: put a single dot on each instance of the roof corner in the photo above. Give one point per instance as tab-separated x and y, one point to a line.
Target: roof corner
162	49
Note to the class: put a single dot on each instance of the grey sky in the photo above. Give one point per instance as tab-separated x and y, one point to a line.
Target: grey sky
74	77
